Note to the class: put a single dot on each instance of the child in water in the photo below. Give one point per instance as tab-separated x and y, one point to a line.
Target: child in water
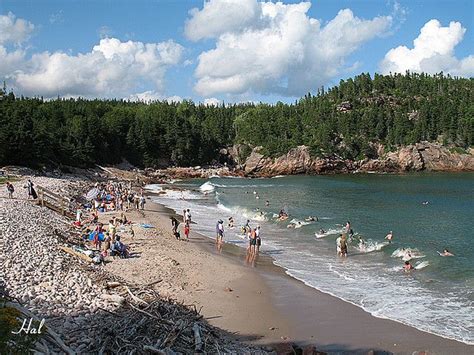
408	267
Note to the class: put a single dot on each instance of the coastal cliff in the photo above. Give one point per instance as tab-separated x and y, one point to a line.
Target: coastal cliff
422	156
417	157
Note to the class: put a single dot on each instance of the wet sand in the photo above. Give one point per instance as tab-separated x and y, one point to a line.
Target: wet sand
258	302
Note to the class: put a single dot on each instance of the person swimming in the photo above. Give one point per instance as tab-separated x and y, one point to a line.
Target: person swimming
389	237
407	267
446	252
282	215
322	231
311	219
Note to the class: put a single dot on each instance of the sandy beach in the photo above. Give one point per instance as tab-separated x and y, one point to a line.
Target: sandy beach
252	303
259	303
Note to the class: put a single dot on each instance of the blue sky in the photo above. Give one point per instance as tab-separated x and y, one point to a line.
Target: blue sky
368	32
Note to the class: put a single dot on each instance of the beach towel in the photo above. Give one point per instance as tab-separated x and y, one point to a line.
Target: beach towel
101	236
145	225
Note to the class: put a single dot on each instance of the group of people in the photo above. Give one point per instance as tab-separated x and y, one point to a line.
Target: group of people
111	196
115	196
106	239
186	225
29	186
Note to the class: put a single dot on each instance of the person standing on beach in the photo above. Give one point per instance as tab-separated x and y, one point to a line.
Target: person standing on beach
220	231
186	231
258	239
112	229
31	190
187	217
136	201
252	241
142	202
10	189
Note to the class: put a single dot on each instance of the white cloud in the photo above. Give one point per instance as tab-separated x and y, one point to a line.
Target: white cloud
151	96
13	30
274	48
221	16
212	102
174	98
112	69
432	52
10	61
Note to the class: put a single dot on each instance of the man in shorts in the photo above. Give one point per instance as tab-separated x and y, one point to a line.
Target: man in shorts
258	239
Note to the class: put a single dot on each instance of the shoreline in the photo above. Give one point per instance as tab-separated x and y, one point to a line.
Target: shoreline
320	316
261	306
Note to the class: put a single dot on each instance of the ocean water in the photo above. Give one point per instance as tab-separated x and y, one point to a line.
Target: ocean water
437	298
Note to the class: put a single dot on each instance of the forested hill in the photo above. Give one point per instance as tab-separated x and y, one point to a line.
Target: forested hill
345	120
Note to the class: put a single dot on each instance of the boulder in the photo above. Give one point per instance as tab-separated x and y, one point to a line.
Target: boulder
255	161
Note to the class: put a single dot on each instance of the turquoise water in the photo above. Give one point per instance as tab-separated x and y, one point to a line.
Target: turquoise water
437	298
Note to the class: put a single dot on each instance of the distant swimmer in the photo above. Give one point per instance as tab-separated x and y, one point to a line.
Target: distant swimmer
254	192
446	252
425	203
322	231
257	197
267	203
311	219
231	222
282	215
408	267
389	236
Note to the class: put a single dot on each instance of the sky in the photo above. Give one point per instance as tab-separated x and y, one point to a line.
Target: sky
224	50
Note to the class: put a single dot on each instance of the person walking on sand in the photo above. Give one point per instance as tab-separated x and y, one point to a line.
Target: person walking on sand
31	190
174	225
10	189
389	237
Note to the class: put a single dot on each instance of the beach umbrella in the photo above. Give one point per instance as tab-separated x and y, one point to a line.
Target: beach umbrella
92	194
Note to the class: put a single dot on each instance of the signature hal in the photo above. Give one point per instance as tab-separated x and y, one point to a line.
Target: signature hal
29	329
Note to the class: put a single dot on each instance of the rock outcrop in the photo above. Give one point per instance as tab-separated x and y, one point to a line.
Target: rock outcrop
417	157
297	161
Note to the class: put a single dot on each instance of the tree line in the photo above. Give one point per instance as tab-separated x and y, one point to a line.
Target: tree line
347	119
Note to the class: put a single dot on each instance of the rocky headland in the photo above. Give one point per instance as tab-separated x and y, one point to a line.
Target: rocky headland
422	156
